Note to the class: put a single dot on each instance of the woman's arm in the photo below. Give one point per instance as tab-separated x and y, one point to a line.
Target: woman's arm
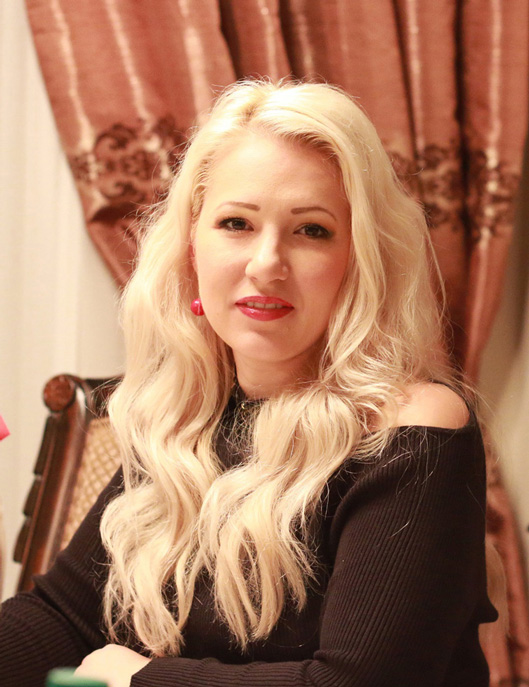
408	588
58	623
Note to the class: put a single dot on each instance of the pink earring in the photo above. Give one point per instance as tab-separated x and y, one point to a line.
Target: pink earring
196	307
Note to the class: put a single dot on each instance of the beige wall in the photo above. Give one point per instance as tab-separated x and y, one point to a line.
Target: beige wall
505	373
57	302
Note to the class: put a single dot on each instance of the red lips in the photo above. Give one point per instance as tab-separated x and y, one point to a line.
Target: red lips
264	308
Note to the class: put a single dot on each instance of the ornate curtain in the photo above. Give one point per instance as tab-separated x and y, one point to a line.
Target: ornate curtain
444	81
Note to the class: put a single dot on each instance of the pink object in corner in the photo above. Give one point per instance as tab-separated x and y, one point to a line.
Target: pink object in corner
4	432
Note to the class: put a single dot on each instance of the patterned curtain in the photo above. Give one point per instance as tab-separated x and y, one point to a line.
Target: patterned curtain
444	81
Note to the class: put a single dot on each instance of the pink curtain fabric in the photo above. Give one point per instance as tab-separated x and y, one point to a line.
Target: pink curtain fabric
126	80
494	124
444	81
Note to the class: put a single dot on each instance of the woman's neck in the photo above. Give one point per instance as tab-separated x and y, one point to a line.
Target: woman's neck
260	382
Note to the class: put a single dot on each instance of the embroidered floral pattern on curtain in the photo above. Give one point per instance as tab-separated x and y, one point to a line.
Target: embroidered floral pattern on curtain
444	81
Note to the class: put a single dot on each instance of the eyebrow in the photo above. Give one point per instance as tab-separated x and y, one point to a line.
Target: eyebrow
294	211
311	208
249	206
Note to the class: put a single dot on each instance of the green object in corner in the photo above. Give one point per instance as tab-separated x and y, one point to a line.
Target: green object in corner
64	677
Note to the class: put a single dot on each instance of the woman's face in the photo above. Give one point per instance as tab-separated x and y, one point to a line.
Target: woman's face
271	247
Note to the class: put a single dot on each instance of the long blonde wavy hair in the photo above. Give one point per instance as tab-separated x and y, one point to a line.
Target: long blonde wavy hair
250	527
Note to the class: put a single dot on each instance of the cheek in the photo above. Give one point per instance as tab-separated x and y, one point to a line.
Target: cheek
203	256
214	267
216	273
214	254
325	278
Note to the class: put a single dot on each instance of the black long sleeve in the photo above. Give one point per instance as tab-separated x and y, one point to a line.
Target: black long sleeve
59	621
408	587
404	539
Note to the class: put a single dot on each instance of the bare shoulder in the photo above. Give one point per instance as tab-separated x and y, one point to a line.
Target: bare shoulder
432	405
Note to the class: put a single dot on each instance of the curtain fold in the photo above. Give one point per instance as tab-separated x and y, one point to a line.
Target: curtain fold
126	83
444	82
357	46
495	54
252	29
430	52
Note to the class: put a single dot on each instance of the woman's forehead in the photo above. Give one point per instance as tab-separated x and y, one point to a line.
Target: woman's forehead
257	163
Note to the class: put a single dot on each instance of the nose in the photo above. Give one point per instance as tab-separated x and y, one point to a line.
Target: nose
267	261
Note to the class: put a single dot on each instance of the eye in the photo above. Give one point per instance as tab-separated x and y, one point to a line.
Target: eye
234	224
314	231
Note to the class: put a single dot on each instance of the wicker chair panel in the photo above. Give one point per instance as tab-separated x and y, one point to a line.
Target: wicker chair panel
100	461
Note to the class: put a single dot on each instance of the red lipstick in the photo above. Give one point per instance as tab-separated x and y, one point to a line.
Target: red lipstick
264	308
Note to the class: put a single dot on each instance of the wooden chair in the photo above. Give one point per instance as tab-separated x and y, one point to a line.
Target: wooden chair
78	456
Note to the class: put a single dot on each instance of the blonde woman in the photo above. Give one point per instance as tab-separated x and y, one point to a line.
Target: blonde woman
303	490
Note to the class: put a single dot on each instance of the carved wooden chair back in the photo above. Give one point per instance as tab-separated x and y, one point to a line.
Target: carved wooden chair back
77	457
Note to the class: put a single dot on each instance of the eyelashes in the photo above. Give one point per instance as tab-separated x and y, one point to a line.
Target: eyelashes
310	230
234	224
315	231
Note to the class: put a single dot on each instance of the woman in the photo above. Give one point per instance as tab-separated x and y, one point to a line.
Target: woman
302	494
